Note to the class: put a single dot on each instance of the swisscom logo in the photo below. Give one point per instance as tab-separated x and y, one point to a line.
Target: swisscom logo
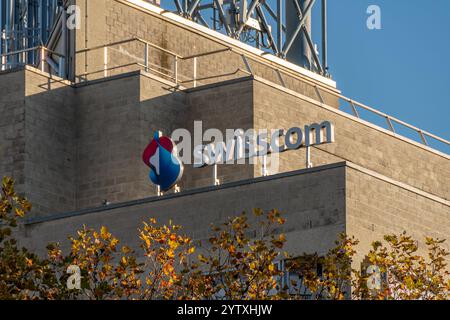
165	156
165	167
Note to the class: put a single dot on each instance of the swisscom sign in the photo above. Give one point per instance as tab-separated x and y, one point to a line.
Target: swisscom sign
166	167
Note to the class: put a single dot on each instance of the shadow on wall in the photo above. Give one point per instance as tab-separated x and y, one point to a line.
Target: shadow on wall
71	148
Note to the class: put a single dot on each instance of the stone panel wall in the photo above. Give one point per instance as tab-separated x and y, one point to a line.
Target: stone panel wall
116	120
12	127
355	142
313	202
375	207
50	146
112	21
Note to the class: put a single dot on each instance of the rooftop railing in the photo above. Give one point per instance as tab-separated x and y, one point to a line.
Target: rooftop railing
39	57
179	79
175	74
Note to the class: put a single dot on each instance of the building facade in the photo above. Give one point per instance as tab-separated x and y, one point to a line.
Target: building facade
74	143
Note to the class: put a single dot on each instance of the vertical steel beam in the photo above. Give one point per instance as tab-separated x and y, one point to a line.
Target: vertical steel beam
311	48
242	11
293	36
2	4
65	52
178	5
249	13
325	36
10	38
222	16
280	24
267	29
192	8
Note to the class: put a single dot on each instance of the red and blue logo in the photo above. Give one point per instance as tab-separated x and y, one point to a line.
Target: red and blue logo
166	169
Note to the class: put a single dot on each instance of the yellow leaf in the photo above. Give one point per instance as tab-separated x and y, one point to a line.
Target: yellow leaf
104	232
19	212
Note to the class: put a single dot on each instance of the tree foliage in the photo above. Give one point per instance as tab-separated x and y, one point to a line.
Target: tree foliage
243	258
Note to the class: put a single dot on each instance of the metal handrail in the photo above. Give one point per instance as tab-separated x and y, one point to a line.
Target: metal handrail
153	46
32	49
44	52
388	118
279	69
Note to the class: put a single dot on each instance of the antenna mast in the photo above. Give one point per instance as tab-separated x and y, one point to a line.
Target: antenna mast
284	31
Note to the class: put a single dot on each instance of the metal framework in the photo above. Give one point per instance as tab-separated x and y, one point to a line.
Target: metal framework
284	31
25	24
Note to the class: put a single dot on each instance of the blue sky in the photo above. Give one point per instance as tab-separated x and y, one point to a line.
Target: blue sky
402	69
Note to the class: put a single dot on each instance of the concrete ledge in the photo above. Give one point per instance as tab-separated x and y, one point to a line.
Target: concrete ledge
229	42
64	215
182	194
350	117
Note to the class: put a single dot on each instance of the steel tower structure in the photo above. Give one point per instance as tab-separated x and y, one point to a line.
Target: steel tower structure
25	24
281	27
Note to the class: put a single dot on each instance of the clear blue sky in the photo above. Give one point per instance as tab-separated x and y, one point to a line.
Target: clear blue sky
402	69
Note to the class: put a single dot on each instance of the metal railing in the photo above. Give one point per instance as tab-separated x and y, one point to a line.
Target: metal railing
173	74
19	58
180	80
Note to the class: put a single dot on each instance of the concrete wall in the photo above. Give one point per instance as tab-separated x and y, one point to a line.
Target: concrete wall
223	106
313	201
37	139
84	144
111	21
12	127
50	143
356	141
318	204
115	122
376	206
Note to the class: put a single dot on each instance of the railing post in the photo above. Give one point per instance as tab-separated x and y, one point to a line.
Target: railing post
355	111
422	136
42	59
3	59
146	57
4	62
61	68
247	65
308	157
389	122
195	72
264	166
216	181
280	77
318	94
176	69
105	61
